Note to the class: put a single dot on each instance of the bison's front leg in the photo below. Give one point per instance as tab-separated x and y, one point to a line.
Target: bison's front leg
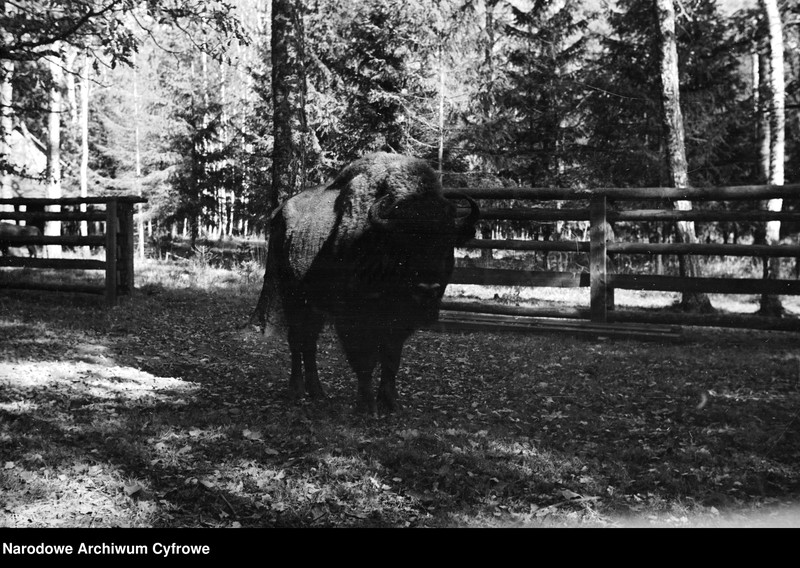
297	385
304	378
365	399
390	353
361	350
363	362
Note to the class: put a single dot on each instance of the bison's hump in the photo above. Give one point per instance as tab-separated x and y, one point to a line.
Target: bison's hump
381	173
310	219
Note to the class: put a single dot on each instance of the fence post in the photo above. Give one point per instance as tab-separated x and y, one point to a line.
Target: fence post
111	252
125	244
598	259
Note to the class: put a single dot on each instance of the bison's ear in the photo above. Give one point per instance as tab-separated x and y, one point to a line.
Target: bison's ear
465	226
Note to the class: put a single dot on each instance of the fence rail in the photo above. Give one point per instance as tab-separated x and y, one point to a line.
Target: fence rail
724	193
605	207
117	239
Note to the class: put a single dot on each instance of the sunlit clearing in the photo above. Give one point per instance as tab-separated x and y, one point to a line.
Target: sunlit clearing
88	379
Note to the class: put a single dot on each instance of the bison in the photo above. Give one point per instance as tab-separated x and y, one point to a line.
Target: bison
11	230
372	251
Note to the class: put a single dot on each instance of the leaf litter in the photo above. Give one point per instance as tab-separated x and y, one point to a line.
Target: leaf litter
156	414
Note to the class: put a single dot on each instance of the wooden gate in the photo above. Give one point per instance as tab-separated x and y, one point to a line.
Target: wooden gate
114	214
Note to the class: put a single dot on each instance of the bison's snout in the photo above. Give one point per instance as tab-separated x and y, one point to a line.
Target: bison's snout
427	294
429	288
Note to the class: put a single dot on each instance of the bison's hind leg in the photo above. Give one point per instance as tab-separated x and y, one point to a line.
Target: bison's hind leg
304	378
361	350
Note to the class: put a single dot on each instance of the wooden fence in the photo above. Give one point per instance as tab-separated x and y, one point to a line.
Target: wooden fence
115	214
605	206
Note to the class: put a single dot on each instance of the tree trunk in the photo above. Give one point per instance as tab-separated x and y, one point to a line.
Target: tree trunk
70	57
6	116
84	124
490	40
761	108
771	305
209	197
488	54
289	101
441	107
6	126
289	121
676	150
138	165
53	228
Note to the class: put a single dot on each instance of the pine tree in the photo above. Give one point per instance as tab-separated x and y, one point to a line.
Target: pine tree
625	137
543	116
378	60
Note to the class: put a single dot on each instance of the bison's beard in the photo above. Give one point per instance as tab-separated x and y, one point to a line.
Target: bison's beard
400	313
426	309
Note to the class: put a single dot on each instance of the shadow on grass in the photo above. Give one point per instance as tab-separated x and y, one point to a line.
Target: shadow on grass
159	412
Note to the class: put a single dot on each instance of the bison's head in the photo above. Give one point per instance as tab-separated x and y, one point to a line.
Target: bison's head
411	244
428	215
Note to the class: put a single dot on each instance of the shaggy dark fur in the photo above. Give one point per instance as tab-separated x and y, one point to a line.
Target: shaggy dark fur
374	251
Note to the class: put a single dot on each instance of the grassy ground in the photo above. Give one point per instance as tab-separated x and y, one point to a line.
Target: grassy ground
162	413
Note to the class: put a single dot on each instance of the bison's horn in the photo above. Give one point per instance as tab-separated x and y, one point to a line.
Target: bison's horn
467	223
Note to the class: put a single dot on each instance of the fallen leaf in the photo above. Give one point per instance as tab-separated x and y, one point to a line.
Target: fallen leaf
250	435
132	489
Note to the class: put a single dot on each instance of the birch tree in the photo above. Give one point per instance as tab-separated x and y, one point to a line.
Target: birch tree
53	227
775	105
138	160
676	149
6	122
6	125
83	120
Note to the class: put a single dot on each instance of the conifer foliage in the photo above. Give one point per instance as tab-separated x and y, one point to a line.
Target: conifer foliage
542	93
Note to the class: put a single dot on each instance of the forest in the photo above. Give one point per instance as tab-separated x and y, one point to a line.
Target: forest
173	100
165	410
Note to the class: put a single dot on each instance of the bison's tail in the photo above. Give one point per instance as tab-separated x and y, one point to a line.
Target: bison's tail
267	316
257	320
